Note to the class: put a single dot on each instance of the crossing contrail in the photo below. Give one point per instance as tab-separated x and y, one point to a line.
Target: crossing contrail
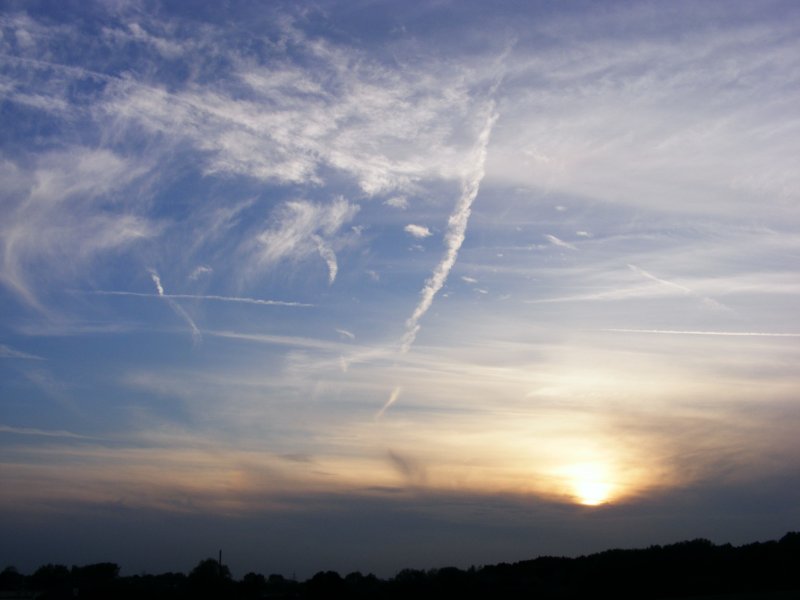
196	336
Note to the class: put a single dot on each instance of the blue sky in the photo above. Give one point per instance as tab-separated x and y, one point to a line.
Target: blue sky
361	286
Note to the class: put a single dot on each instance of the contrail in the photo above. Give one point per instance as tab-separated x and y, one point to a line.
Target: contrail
650	276
392	399
724	333
8	352
42	432
456	229
196	336
705	299
211	297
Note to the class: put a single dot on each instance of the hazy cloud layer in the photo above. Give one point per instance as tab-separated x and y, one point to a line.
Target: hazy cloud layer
519	273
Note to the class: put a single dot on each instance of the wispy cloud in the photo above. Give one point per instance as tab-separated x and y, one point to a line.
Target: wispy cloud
177	308
571	135
411	470
56	218
346	334
456	230
652	277
58	433
284	340
399	202
272	154
360	118
391	400
328	255
705	299
138	34
712	333
8	352
157	281
200	271
559	242
315	107
614	294
302	228
417	231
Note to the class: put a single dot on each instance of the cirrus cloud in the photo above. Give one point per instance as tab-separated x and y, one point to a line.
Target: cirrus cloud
301	229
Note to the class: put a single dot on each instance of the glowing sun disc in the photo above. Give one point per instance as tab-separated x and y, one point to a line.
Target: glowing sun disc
592	493
589	483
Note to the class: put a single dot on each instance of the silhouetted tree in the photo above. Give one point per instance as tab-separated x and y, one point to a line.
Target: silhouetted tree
167	586
362	586
695	568
11	579
53	581
209	579
98	580
253	585
325	584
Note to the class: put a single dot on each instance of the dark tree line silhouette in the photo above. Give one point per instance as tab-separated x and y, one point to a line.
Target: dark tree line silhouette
697	568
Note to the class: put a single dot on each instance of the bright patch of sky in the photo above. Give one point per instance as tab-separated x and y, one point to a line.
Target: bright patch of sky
396	262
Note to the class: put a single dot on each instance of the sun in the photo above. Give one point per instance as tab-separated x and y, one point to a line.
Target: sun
589	484
592	493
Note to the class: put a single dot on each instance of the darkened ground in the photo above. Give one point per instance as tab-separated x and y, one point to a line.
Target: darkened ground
692	569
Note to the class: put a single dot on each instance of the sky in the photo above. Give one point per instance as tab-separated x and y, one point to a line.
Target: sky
370	285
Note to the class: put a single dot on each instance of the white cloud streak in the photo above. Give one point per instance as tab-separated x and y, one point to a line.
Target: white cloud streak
302	228
177	308
329	256
386	128
210	297
650	276
712	333
391	400
157	282
57	218
399	202
456	231
615	294
346	334
58	433
705	299
668	149
199	272
8	352
559	242
286	340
